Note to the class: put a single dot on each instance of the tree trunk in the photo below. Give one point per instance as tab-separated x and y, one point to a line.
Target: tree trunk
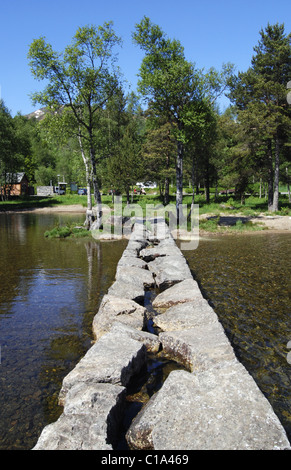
288	185
167	180
97	196
206	182
179	177
127	190
89	214
167	191
270	176
193	187
276	177
216	188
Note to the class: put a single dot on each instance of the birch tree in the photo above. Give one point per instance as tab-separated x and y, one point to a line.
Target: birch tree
82	78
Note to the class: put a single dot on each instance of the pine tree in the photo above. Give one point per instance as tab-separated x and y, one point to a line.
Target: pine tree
260	95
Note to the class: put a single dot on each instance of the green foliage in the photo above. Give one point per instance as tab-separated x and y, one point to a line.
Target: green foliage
15	148
263	114
83	78
68	231
95	135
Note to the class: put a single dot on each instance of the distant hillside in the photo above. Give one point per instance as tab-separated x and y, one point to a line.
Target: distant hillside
39	114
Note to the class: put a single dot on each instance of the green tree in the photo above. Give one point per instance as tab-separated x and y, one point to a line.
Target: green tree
25	134
234	161
170	83
14	148
82	78
124	165
62	136
202	137
260	95
159	151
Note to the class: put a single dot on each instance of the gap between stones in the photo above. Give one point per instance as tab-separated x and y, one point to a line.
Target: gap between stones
149	380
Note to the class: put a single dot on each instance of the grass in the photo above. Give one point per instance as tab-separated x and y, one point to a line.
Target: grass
252	207
68	231
212	225
31	202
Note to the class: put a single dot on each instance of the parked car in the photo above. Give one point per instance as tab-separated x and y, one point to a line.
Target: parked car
59	190
82	191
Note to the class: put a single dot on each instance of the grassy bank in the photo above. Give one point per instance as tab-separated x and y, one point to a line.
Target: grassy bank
34	202
67	231
211	216
252	206
215	224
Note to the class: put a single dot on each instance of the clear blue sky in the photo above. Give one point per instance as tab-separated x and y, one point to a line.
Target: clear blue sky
211	31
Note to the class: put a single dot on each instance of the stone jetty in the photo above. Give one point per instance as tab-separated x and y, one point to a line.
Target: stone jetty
214	404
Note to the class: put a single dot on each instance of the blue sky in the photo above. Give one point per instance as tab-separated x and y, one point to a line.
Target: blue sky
212	32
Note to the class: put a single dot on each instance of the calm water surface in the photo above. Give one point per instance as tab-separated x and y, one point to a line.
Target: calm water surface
49	292
247	279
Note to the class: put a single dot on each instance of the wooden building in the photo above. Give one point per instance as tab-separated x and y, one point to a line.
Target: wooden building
16	184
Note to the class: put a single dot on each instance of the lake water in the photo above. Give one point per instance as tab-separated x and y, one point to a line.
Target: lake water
247	279
49	292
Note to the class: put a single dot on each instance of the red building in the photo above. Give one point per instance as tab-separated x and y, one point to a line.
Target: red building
16	184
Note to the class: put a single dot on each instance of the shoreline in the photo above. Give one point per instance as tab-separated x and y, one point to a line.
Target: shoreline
270	223
276	223
72	208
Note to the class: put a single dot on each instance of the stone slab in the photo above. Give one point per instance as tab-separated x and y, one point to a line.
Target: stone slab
136	245
218	409
198	348
114	359
72	432
169	270
164	248
185	291
134	275
90	419
123	289
116	308
132	261
185	316
151	341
